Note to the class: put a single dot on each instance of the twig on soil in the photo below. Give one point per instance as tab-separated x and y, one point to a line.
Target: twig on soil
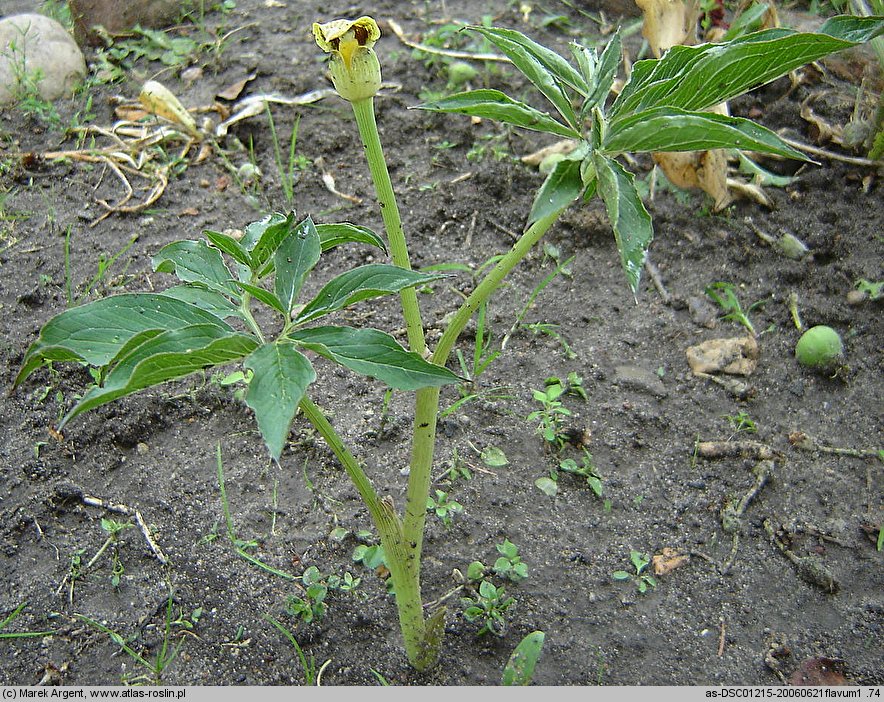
129	154
799	439
654	273
117	508
721	637
397	30
831	155
810	570
732	513
737	449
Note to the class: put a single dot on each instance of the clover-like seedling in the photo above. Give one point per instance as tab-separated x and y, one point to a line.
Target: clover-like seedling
488	607
642	580
443	506
509	565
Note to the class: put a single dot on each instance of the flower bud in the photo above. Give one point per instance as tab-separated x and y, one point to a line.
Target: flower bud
353	66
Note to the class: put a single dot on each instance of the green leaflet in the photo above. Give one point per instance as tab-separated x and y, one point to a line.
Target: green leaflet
293	260
208	300
520	667
154	356
562	186
195	262
673	129
280	378
698	77
362	283
95	332
230	246
278	229
338	233
265	296
374	353
629	218
543	67
493	104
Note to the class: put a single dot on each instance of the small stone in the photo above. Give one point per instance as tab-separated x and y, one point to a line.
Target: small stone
640	379
141	448
736	356
857	297
37	52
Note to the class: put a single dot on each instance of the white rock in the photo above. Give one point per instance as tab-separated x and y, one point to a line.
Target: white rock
38	46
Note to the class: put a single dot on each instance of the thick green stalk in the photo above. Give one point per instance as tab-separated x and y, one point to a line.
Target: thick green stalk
427	404
374	154
397	551
490	283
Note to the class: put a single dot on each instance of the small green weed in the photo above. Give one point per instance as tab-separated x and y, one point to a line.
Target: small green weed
510	565
311	607
287	169
870	288
551	417
585	469
155	667
741	423
312	676
20	634
642	580
26	84
488	607
483	356
725	295
443	506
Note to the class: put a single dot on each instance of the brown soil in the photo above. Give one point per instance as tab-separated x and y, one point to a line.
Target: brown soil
724	617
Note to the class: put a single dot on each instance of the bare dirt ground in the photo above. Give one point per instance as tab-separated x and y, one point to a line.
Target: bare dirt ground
735	612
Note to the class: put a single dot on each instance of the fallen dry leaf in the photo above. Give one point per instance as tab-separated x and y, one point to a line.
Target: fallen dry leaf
668	560
130	113
234	90
669	22
735	356
820	672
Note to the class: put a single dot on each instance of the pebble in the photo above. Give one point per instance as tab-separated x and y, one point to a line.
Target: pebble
35	44
640	379
856	297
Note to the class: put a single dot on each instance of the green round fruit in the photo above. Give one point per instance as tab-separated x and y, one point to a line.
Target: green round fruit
819	347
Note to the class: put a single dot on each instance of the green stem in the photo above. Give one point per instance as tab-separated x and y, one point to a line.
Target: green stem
396	549
246	311
427	403
374	154
489	284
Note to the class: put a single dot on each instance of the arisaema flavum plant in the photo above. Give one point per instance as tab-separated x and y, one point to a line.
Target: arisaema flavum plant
139	340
